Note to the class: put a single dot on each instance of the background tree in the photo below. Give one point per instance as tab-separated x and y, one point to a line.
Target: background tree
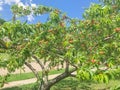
1	21
90	47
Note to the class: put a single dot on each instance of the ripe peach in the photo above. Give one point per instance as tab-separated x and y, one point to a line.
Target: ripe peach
117	29
93	61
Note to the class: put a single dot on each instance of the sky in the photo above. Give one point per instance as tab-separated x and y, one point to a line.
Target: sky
73	8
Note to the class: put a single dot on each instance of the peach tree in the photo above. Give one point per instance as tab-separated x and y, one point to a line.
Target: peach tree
89	47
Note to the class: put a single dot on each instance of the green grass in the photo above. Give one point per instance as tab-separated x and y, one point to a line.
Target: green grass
24	87
23	76
73	84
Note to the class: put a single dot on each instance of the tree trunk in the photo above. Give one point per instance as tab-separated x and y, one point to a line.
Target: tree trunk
47	84
44	87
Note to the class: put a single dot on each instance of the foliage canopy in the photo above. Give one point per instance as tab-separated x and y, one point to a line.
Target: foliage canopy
90	46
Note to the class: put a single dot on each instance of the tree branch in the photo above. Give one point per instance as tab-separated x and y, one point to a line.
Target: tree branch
33	70
74	65
67	66
44	71
39	62
60	77
107	38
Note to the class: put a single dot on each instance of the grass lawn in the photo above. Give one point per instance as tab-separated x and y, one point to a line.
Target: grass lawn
24	87
74	84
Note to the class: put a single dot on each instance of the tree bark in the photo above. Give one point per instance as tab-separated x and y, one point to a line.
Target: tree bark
33	70
50	83
14	18
44	87
60	77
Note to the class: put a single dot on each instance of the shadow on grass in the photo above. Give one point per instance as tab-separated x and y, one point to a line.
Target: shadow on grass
71	84
23	87
13	88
